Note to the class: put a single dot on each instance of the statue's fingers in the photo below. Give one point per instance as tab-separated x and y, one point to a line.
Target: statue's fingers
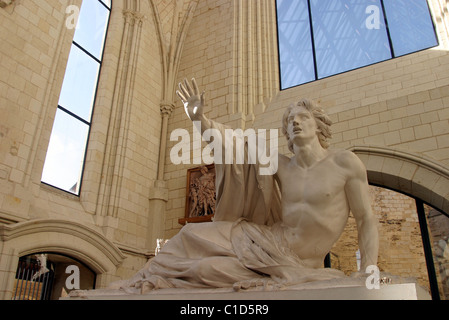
188	87
195	87
184	91
202	99
181	96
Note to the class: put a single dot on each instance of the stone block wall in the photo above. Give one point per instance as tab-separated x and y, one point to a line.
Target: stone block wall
397	105
400	243
230	47
122	157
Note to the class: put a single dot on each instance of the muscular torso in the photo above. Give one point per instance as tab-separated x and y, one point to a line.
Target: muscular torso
315	209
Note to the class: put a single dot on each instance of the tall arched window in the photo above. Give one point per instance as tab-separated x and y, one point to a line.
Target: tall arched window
63	167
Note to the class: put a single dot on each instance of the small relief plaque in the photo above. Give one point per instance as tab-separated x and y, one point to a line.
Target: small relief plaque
200	196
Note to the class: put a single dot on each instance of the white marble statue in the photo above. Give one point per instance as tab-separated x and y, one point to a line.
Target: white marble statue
269	230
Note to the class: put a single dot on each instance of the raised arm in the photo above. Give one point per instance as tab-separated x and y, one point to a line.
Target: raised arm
193	103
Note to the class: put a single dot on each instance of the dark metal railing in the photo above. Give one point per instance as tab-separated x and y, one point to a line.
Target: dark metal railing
33	281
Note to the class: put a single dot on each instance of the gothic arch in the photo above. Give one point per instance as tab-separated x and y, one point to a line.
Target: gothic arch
408	173
58	236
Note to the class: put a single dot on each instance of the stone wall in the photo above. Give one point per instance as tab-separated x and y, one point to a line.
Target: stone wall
122	157
400	246
132	193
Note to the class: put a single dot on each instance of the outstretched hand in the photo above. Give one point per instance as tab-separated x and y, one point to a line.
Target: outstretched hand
191	98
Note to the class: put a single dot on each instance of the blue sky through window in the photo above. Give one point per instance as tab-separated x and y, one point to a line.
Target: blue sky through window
410	25
295	43
65	154
91	28
338	35
342	40
77	93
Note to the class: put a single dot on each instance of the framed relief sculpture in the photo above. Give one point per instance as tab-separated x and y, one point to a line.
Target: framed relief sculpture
200	194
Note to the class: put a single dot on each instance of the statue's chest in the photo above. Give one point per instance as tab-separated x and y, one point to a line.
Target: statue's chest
320	184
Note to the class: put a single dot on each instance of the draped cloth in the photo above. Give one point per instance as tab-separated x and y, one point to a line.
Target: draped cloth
241	191
221	254
244	242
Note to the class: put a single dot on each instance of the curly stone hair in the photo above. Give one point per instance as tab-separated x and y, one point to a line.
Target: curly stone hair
321	118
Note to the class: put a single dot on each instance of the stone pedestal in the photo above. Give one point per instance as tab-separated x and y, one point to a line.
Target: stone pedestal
403	291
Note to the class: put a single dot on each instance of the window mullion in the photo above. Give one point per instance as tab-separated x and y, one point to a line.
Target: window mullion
312	36
73	115
427	250
104	5
86	52
390	42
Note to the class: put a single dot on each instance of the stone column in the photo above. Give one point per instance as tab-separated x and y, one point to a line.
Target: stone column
158	196
171	44
117	142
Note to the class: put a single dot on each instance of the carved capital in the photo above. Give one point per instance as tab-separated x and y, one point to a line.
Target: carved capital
132	17
4	3
166	108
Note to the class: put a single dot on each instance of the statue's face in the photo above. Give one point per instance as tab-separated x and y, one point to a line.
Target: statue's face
301	125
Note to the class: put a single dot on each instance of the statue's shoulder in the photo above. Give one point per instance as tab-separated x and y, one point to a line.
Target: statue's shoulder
350	163
346	159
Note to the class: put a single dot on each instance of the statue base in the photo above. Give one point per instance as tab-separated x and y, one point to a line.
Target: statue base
402	291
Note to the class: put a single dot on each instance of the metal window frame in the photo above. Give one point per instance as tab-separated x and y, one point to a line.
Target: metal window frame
393	56
73	115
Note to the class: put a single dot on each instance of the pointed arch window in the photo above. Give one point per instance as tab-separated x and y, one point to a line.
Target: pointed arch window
64	162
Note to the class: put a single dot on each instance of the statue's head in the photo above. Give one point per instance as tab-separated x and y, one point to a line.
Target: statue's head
322	120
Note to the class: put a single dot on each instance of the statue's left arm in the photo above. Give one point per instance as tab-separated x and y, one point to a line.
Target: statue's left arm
357	193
